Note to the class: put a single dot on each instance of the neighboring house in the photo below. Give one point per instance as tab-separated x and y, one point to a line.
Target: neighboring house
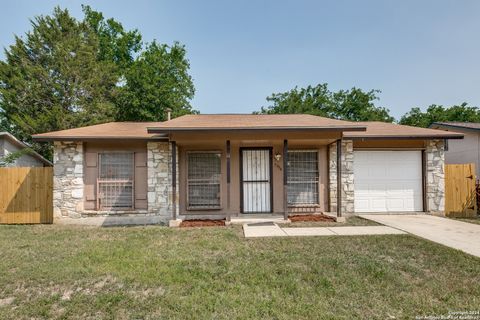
462	151
223	166
9	144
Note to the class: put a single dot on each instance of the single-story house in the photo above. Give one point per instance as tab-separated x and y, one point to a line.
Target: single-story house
9	144
466	150
232	165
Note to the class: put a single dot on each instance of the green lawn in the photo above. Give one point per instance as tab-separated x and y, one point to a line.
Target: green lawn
475	220
157	272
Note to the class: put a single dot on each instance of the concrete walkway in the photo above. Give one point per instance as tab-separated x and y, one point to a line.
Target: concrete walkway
451	233
259	230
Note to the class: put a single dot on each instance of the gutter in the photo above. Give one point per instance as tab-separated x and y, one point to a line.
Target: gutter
90	138
377	137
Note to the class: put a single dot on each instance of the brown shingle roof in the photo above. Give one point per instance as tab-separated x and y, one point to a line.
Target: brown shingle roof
382	130
110	130
457	124
253	122
138	130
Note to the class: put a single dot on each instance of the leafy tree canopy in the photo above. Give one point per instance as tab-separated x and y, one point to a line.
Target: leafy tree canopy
437	113
67	73
4	124
115	43
354	104
52	79
158	79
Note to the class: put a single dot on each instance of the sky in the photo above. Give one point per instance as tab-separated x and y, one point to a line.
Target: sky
417	53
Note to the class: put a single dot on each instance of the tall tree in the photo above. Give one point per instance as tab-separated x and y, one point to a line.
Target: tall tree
158	79
312	100
357	105
53	79
67	73
116	44
4	123
353	104
151	78
437	113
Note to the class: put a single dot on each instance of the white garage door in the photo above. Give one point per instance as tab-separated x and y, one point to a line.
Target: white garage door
388	181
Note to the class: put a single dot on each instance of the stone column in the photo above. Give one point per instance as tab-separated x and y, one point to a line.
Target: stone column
332	176
67	179
170	178
347	177
160	180
435	177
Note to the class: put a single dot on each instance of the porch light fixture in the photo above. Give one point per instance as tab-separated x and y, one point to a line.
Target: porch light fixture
278	156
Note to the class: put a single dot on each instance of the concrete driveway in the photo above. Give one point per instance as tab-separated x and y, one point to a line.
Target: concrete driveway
451	233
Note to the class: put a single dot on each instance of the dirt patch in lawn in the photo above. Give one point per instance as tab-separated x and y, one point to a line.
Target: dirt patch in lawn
202	223
310	217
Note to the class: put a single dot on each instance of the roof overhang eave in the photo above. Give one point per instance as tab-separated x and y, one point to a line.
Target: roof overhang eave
80	138
42	159
437	126
403	137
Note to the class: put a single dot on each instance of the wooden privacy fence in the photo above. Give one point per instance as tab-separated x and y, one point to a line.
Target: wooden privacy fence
460	190
26	195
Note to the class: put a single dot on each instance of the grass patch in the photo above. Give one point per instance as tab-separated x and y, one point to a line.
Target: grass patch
204	273
475	220
350	221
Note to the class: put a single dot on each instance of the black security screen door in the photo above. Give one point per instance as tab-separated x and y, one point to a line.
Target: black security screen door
256	180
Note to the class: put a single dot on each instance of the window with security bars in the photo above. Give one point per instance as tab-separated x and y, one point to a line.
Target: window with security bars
115	186
203	180
302	177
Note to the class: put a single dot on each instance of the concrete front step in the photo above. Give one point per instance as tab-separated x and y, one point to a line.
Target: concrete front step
257	218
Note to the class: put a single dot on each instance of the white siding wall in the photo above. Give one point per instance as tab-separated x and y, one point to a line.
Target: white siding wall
465	150
24	161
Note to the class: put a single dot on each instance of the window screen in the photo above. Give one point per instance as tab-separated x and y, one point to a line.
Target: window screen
302	177
115	181
204	180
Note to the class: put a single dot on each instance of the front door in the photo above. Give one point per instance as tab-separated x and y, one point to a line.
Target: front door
256	180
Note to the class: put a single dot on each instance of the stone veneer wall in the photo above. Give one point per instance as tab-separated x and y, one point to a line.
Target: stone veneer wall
68	184
67	179
435	183
159	163
435	176
332	176
347	177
